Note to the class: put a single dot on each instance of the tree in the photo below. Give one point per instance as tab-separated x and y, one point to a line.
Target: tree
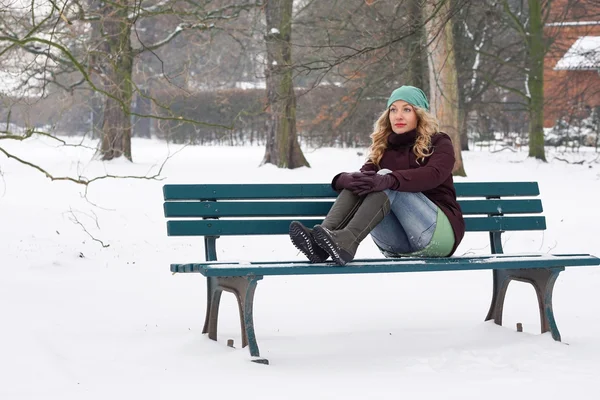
282	147
115	66
94	46
523	64
473	28
530	28
443	80
504	44
357	53
418	67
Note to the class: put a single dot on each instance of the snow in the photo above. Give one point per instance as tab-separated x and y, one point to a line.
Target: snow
573	23
82	321
583	54
246	85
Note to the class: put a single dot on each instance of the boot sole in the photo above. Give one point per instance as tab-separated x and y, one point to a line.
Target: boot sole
302	242
325	241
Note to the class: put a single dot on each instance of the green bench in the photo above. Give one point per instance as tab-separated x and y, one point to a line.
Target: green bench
215	210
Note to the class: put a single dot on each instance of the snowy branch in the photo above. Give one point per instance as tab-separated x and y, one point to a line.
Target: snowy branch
180	28
151	10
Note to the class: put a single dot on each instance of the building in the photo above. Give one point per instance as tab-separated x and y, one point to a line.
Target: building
572	64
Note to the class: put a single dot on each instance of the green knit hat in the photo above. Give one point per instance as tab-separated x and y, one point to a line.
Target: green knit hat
410	94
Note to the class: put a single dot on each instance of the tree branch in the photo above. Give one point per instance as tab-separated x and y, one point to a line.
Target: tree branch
76	220
515	20
180	28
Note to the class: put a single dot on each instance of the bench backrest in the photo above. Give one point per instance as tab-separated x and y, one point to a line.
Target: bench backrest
267	209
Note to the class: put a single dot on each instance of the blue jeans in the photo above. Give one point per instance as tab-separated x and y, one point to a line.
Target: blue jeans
410	224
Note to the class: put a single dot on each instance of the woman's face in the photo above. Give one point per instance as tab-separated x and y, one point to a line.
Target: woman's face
402	117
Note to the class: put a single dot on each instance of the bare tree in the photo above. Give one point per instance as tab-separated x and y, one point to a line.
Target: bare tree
282	147
443	80
528	22
418	65
474	26
94	45
503	48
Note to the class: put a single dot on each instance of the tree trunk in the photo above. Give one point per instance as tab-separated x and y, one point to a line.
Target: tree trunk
443	79
118	69
417	68
282	148
142	106
535	80
463	125
96	102
96	99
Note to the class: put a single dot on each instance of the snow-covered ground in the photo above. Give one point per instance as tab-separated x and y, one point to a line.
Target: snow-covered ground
83	321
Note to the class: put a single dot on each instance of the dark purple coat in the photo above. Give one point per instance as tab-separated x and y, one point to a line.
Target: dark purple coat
432	177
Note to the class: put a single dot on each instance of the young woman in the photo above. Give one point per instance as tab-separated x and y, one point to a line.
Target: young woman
403	196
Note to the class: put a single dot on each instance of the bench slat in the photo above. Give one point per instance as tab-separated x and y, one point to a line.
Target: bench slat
498	224
198	209
234	227
496	206
281	226
496	189
499	261
248	191
324	190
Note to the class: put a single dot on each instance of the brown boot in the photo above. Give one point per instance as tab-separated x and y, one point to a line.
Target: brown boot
342	244
338	216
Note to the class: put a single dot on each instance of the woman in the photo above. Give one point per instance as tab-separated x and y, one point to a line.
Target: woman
403	196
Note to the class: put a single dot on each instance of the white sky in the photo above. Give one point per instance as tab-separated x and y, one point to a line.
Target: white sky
84	322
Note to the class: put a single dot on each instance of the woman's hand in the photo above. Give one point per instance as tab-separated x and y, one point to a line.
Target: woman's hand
371	182
352	181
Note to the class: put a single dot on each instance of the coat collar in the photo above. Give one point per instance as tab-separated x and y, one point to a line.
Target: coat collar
402	140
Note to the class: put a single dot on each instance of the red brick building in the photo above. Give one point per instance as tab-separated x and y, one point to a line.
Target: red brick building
572	64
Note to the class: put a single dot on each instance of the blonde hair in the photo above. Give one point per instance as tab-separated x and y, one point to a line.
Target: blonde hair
427	126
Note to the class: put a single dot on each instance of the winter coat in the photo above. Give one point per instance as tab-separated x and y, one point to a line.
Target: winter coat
431	176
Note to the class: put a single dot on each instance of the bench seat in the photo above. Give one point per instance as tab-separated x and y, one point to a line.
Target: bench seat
215	210
386	265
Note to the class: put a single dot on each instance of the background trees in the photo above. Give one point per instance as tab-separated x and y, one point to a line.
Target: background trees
93	47
277	73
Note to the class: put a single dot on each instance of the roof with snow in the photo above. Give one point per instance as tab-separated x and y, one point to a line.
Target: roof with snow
583	55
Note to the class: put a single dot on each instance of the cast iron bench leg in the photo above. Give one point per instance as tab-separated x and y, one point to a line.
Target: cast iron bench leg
542	280
213	299
243	287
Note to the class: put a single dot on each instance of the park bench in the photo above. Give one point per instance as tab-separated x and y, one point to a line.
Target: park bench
215	210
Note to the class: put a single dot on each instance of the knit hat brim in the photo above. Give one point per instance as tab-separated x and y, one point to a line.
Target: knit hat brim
410	94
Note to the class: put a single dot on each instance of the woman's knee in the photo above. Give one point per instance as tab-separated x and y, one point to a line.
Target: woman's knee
413	203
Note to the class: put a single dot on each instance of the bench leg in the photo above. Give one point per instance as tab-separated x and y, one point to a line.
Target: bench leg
543	282
213	299
243	287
